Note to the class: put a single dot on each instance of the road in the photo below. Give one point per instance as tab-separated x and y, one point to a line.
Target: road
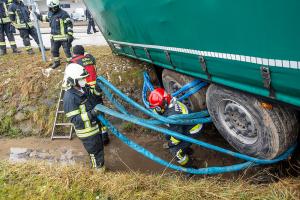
80	35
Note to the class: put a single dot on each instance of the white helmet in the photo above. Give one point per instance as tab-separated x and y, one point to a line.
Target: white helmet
73	74
52	3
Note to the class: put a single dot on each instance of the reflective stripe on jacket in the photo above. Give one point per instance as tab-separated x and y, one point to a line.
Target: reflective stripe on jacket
190	130
20	15
78	107
89	63
60	24
4	17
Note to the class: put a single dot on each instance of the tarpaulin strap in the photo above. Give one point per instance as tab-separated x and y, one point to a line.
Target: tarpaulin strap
250	161
185	119
147	86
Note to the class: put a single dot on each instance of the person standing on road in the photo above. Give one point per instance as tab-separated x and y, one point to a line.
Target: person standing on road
162	103
91	23
89	63
79	106
5	29
61	32
20	17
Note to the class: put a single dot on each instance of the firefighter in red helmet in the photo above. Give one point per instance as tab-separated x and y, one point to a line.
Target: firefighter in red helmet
162	103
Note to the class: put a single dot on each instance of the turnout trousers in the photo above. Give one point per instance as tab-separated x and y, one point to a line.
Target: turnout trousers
5	29
94	146
55	46
91	24
181	153
24	33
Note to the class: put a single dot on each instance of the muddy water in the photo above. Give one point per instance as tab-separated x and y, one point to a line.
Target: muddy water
119	157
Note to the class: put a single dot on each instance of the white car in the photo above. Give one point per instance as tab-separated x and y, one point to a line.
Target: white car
78	14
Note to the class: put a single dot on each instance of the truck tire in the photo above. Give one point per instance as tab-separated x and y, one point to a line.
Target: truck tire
250	128
172	81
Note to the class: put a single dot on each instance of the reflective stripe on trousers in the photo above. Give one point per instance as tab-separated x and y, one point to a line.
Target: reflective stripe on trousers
182	159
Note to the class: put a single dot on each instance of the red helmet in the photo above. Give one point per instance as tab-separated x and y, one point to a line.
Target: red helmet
159	97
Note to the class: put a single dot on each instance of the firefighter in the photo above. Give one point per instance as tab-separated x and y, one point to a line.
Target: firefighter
91	23
162	103
89	63
20	17
61	32
5	29
79	103
12	28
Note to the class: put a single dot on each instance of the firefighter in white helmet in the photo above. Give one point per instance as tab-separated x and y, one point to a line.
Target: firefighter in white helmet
79	106
61	32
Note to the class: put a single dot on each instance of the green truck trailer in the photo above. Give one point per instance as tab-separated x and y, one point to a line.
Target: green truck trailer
249	52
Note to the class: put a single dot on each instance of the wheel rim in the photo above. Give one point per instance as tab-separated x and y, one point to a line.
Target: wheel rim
173	87
238	121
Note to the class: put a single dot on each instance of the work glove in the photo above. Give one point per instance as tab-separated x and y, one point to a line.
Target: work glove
105	138
95	112
38	16
97	88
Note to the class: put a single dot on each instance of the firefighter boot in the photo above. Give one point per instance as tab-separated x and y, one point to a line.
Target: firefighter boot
2	51
55	64
101	169
15	49
46	72
30	51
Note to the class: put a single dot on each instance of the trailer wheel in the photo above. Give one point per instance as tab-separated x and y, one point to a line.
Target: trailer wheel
173	81
250	128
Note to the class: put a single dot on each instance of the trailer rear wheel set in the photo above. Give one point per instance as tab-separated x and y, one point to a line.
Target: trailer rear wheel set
241	119
173	81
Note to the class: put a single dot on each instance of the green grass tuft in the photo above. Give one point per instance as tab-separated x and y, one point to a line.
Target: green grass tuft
7	128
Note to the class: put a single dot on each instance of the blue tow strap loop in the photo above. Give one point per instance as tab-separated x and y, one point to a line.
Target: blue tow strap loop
148	154
183	121
147	86
142	122
193	118
190	89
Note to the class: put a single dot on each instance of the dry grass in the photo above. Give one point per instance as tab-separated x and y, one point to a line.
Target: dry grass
38	181
22	84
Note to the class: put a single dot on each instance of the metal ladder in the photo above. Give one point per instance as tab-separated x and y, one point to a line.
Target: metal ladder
59	121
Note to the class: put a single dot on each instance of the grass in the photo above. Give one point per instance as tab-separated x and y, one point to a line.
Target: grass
7	128
22	84
40	181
